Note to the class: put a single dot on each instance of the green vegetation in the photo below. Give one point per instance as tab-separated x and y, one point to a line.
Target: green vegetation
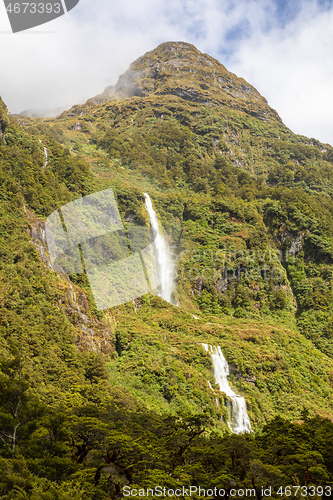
91	401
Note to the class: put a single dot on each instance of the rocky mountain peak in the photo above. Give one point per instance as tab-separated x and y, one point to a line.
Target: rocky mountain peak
180	69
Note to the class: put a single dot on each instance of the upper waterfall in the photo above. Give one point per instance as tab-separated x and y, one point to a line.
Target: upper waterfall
165	266
239	421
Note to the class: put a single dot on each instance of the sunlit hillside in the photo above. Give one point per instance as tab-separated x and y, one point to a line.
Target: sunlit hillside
94	400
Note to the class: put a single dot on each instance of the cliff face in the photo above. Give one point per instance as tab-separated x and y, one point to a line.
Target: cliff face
244	201
180	69
247	207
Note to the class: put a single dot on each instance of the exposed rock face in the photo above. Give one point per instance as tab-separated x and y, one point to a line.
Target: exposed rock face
91	333
250	379
295	242
179	69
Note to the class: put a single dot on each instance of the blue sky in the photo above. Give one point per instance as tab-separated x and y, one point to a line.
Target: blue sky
284	49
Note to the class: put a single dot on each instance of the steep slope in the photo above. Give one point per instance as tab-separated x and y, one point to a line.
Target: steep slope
179	69
246	202
177	94
246	205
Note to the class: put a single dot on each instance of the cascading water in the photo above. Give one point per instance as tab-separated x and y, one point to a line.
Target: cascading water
45	156
165	267
239	421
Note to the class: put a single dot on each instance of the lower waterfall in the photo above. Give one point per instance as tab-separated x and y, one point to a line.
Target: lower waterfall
239	421
165	266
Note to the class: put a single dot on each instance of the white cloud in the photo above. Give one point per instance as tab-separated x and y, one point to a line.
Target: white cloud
76	56
293	68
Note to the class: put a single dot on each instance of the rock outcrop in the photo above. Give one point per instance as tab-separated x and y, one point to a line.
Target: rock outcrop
179	69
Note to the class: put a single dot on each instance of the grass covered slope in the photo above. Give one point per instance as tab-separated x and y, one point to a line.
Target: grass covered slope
247	202
162	362
92	401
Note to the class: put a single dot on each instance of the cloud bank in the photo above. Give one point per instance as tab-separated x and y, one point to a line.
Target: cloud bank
284	50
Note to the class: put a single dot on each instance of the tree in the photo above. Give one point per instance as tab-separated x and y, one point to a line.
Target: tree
19	405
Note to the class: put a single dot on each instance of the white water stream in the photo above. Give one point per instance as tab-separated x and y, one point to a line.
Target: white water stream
45	156
165	266
239	421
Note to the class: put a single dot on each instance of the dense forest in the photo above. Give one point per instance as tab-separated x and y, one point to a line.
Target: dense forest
95	401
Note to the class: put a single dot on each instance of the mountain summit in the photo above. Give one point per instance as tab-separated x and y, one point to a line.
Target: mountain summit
179	114
180	69
139	394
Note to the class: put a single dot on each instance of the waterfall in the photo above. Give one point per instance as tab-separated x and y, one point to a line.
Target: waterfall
45	158
165	267
45	155
239	421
